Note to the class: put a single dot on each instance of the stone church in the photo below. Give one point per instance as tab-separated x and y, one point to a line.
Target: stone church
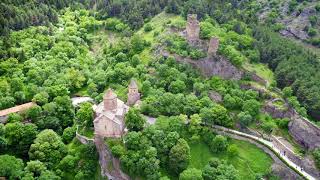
110	113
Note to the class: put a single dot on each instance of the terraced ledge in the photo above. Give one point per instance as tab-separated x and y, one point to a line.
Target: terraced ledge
270	146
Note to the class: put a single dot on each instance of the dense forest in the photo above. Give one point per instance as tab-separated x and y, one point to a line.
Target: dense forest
51	51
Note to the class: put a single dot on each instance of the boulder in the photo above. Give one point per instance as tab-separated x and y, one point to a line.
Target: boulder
305	133
215	96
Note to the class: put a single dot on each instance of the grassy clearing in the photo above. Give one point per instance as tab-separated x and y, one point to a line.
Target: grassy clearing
261	70
249	161
158	24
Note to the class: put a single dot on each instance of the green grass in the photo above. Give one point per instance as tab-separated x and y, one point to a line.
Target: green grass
158	24
261	70
249	161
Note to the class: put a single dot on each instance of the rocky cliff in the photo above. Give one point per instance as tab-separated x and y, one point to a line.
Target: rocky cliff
305	133
214	66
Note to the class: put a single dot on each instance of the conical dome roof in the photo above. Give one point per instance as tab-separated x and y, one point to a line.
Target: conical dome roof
133	84
109	94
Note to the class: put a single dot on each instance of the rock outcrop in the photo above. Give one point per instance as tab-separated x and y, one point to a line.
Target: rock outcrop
305	133
278	112
215	96
214	66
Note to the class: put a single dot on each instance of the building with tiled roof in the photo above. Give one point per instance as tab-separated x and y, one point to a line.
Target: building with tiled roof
16	109
109	121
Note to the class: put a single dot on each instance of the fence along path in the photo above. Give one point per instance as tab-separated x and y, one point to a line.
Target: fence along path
271	146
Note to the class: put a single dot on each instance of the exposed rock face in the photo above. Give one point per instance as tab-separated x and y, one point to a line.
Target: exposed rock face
277	112
298	24
215	96
284	172
262	92
305	133
309	166
214	66
294	23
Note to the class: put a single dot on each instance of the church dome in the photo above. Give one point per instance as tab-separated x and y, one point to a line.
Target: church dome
109	94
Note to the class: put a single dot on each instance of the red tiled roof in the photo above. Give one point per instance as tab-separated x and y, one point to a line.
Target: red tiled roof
16	109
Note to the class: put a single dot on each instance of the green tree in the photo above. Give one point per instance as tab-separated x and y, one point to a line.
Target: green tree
216	169
219	144
118	150
195	124
41	98
191	174
134	120
244	119
252	107
20	136
177	86
216	115
85	114
287	92
35	168
179	156
10	167
14	117
47	148
68	134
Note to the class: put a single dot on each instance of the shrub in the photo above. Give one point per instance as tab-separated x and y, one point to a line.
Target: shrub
117	150
317	7
148	28
313	20
316	156
218	144
312	32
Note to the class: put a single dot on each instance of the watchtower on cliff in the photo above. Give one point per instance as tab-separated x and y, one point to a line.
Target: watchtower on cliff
193	28
213	46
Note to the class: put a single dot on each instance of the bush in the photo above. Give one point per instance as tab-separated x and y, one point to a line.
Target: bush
118	150
313	20
218	144
14	117
148	28
316	156
312	32
233	150
283	123
191	174
68	134
317	7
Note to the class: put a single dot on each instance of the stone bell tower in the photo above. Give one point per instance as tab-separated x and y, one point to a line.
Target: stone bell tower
133	94
110	100
193	28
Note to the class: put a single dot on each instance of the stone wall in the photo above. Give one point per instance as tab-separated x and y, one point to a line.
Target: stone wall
304	163
83	139
285	150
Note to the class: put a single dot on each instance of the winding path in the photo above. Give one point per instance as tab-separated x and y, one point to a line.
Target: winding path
270	146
